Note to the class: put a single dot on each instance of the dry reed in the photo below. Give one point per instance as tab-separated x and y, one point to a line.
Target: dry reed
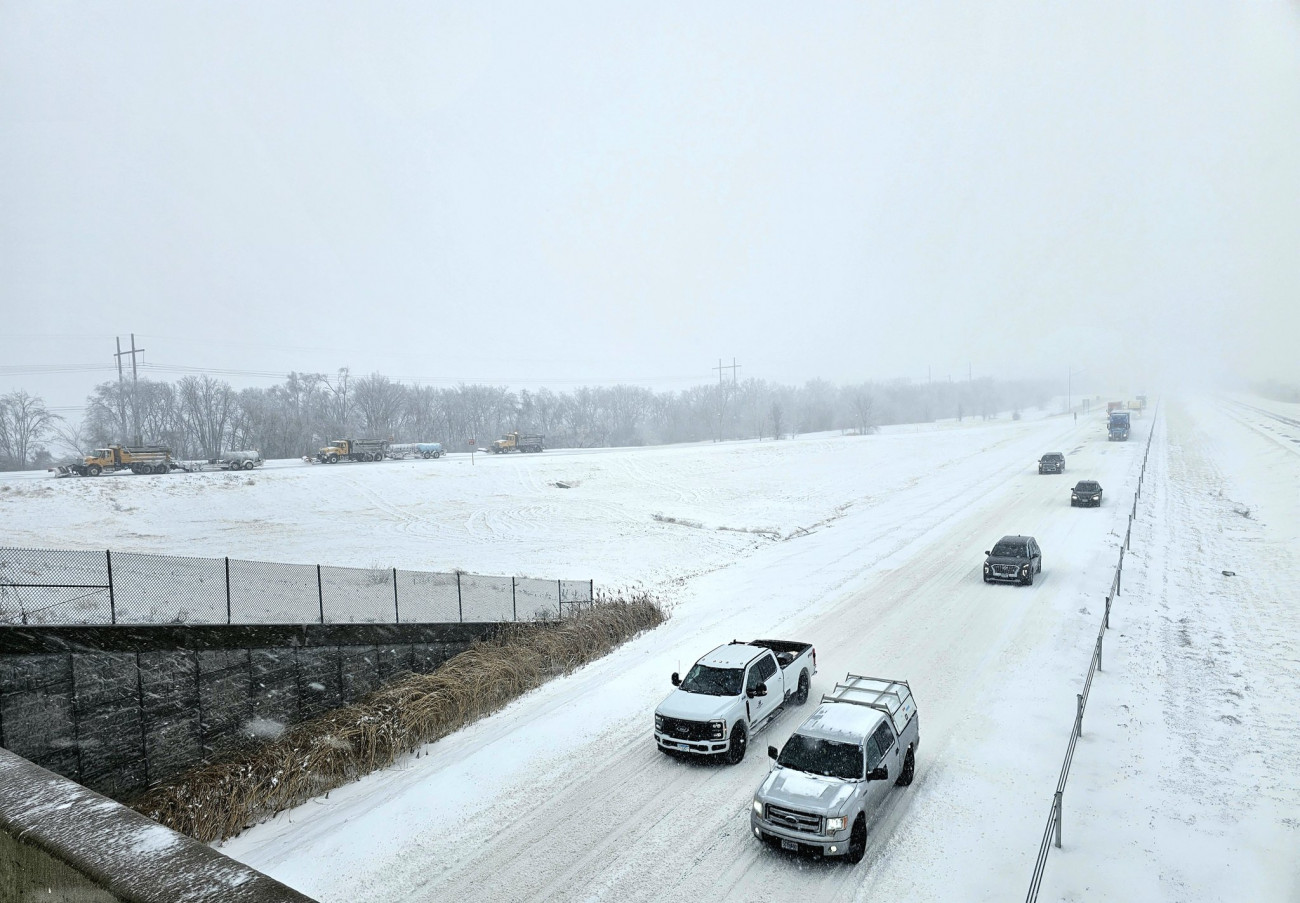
218	800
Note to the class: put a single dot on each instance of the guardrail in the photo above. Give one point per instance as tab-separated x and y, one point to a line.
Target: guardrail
1052	832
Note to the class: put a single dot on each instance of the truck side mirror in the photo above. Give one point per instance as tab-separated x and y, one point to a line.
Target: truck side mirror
760	690
879	773
771	752
677	680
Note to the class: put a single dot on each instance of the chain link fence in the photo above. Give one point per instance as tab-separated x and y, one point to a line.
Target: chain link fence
63	587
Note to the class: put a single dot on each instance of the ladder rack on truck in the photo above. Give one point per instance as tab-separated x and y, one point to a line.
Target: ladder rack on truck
893	697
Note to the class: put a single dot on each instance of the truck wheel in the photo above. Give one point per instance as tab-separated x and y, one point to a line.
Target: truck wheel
332	459
739	743
161	469
801	694
94	470
857	840
248	465
1029	581
909	769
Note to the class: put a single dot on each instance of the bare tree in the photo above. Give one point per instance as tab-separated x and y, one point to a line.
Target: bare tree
24	422
207	406
777	415
863	405
380	401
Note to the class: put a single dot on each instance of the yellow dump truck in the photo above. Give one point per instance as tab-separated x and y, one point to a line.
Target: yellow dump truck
511	442
115	458
353	450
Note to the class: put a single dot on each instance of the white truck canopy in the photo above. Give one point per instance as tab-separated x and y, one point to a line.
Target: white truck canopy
893	697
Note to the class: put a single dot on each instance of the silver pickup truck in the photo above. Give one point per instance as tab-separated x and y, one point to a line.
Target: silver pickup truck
835	770
731	694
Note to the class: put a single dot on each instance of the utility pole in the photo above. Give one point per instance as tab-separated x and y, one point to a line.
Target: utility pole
733	367
135	386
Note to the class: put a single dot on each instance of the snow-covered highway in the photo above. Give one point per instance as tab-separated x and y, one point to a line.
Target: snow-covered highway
870	548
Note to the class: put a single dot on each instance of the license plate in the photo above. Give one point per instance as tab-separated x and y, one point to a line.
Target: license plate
789	845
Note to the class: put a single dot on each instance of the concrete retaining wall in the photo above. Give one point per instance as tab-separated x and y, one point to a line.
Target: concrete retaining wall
60	841
120	708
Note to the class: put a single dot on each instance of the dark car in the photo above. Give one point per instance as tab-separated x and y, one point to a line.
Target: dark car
1086	493
1052	462
1013	559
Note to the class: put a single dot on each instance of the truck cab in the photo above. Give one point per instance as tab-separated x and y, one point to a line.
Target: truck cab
838	767
732	693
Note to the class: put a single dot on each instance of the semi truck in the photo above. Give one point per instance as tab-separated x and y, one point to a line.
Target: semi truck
511	442
1117	426
353	450
138	459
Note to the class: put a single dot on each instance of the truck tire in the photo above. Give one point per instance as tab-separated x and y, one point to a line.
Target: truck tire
735	753
94	470
857	840
332	459
1029	581
909	769
801	694
248	465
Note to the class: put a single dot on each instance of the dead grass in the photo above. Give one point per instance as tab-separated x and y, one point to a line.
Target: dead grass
218	800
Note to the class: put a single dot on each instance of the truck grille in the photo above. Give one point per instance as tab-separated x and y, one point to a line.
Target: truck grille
1005	570
794	820
687	730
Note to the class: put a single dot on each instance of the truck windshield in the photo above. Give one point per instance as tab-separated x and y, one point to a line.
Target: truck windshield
1009	550
825	757
713	681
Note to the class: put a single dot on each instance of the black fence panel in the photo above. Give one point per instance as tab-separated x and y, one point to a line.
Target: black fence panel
54	586
428	598
537	600
488	599
262	592
575	595
357	595
165	589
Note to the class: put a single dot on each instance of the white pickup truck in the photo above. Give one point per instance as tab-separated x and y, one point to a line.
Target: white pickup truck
731	694
835	770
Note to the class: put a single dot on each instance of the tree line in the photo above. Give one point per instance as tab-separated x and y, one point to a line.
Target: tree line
201	416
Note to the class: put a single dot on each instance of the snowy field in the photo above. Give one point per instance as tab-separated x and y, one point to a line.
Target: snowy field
1185	784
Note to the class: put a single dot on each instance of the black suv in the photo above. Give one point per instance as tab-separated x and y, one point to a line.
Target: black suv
1052	462
1086	493
1014	559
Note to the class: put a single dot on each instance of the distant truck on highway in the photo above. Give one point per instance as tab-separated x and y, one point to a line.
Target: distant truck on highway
835	771
731	694
512	442
353	450
1117	426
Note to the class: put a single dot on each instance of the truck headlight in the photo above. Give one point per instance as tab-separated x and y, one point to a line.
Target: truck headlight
1024	569
659	722
717	730
836	824
1074	497
986	567
758	807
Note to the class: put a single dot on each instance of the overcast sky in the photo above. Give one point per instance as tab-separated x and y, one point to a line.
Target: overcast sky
564	193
